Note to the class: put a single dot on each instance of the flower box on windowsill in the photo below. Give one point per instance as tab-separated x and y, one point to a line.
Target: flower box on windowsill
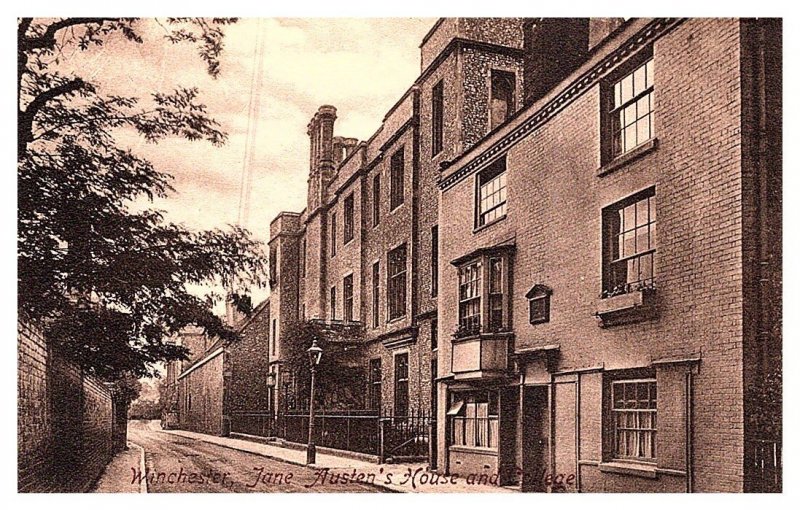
633	306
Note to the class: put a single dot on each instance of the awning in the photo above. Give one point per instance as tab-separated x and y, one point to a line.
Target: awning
455	408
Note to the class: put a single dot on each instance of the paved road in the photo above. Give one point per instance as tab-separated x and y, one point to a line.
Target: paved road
179	464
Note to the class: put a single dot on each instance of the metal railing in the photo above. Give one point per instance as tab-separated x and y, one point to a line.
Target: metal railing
364	431
764	465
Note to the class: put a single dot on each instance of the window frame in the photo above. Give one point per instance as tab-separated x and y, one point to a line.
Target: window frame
613	228
611	416
460	405
401	382
609	109
375	390
376	200
393	286
349	219
333	234
332	303
484	325
348	300
397	177
376	293
497	169
437	118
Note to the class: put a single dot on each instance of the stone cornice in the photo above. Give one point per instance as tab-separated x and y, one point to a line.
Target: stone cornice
649	33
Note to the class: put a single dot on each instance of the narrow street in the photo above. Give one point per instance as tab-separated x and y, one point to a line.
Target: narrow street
179	464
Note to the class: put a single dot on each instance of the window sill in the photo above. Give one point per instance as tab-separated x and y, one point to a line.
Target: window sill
628	157
392	211
487	225
483	335
348	242
640	469
633	306
395	319
473	449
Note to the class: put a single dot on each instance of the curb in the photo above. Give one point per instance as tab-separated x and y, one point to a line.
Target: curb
142	468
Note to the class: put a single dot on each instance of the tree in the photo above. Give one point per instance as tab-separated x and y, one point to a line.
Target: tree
109	283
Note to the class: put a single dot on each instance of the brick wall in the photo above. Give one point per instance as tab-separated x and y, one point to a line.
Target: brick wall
200	396
65	419
248	365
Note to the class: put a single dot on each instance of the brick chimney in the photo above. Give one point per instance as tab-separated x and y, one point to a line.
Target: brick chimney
322	158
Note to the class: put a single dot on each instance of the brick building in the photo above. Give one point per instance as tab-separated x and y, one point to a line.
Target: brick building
577	338
221	378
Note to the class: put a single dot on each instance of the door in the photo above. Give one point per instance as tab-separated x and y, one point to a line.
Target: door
535	438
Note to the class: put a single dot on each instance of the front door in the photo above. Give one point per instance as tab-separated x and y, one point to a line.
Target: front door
535	438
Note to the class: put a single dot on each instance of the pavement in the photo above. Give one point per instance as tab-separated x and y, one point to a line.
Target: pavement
183	461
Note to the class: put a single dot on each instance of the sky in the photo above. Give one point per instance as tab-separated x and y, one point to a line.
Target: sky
361	66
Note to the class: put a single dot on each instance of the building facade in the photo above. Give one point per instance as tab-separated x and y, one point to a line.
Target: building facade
610	267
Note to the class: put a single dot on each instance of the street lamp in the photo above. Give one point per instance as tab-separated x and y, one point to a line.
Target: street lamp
314	356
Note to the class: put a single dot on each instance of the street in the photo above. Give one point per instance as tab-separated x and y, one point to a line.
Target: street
180	464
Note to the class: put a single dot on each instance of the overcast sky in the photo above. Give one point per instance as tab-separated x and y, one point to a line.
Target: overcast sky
360	66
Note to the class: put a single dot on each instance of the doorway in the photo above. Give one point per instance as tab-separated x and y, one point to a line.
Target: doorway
535	438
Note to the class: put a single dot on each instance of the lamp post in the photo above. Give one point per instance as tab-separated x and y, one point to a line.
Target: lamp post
314	356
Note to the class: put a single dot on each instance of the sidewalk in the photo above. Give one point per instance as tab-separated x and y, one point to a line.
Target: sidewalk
118	475
410	478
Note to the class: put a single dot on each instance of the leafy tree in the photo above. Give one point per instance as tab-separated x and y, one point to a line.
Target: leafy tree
108	281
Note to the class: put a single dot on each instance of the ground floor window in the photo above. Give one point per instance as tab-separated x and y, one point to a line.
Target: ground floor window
474	419
633	409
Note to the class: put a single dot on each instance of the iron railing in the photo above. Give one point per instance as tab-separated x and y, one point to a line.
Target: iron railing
764	465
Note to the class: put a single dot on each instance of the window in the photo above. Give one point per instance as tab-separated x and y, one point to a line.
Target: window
437	118
469	297
434	334
304	255
348	219
397	282
333	303
348	297
274	335
401	384
633	410
376	200
501	105
474	419
630	110
434	260
630	244
333	234
376	297
398	170
491	196
538	304
374	390
495	294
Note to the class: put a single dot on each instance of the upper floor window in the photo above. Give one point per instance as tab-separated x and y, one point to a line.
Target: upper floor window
376	297
483	286
434	334
469	297
304	255
348	218
274	336
501	104
633	419
630	244
347	290
491	194
434	260
397	190
396	288
376	199
437	118
630	110
333	303
333	234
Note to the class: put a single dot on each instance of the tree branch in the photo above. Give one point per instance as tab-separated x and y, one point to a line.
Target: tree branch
48	39
25	118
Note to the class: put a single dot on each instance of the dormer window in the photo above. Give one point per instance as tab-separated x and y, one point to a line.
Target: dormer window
539	304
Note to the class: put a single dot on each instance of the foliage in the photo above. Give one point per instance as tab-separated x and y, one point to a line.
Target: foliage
145	409
106	281
339	383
